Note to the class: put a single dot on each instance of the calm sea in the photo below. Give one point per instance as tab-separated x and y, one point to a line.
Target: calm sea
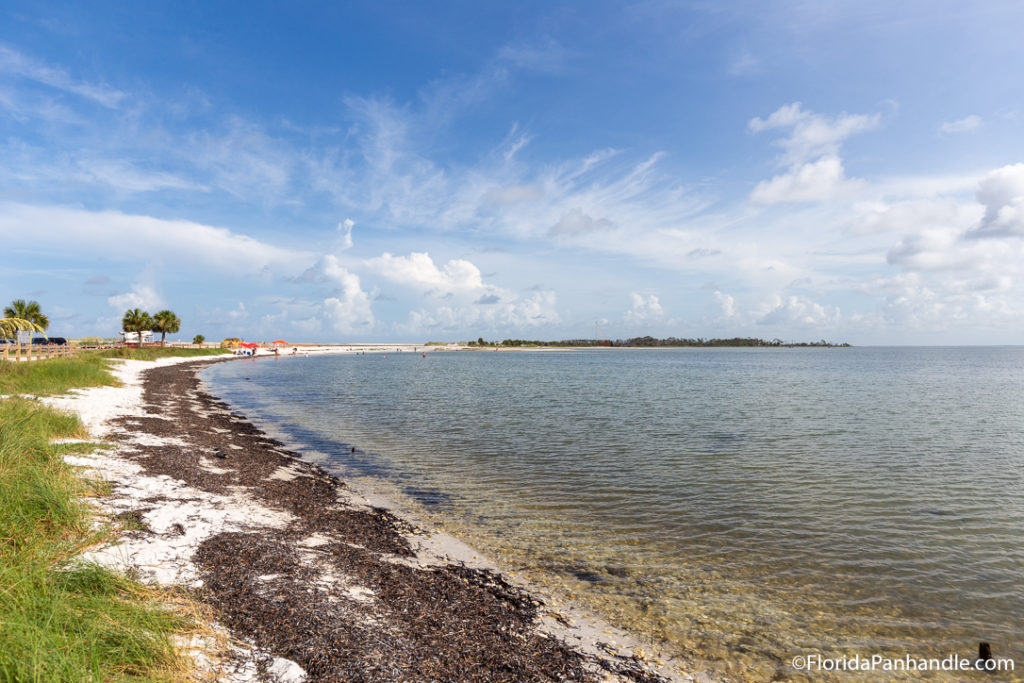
740	506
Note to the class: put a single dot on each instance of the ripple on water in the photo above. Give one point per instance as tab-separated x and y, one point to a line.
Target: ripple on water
741	505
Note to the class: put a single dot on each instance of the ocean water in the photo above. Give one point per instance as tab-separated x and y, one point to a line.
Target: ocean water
740	507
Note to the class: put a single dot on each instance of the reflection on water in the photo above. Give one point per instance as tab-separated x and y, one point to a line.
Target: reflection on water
744	506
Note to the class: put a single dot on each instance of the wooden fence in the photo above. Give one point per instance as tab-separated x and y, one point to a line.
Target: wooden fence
19	352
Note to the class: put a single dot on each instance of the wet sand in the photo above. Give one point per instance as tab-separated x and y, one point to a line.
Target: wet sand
310	580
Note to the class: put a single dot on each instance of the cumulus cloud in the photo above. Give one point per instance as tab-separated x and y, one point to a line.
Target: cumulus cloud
139	296
967	124
910	301
814	170
935	249
643	308
1001	192
808	182
349	309
418	270
535	310
798	311
459	296
726	303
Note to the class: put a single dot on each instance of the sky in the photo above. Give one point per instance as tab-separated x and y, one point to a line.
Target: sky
416	171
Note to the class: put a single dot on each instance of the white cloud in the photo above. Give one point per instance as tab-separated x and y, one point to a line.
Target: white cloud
871	218
546	57
345	228
814	170
644	309
727	304
15	63
349	310
798	311
744	63
418	270
967	124
140	296
536	310
1001	192
124	176
575	222
909	301
241	159
813	181
111	234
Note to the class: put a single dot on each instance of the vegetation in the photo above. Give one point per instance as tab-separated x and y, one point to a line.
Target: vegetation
164	322
29	311
64	620
154	352
9	327
649	342
86	369
198	339
56	376
88	341
136	320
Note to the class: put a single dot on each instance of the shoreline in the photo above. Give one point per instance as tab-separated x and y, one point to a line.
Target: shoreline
210	489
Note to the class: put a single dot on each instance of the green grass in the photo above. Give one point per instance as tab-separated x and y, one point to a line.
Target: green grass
54	376
154	352
85	369
61	620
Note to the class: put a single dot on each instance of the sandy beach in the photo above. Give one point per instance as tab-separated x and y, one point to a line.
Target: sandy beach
307	578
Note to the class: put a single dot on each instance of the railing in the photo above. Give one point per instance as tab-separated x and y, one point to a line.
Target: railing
20	352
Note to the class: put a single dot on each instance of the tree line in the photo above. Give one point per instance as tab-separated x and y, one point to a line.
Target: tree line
27	316
139	321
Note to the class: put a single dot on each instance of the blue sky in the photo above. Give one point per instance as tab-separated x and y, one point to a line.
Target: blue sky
441	171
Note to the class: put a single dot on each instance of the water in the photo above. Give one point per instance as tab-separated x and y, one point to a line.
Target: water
740	506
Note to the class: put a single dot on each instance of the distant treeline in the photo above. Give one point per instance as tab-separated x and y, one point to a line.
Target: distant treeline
651	342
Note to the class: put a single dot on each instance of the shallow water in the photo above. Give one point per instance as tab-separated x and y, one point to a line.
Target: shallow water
743	506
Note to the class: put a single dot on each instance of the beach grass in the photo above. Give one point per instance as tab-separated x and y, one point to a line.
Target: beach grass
61	619
54	376
155	352
85	369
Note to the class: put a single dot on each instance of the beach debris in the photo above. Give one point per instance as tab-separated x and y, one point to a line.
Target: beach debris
325	589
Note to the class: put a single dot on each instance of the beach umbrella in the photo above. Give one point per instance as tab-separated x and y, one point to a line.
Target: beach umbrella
282	342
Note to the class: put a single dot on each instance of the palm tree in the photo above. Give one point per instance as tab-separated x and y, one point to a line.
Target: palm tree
11	325
164	322
136	320
19	308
